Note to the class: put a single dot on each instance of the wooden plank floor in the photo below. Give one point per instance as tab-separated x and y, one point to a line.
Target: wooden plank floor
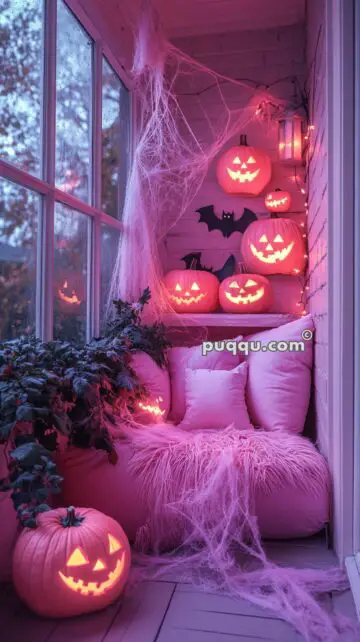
171	611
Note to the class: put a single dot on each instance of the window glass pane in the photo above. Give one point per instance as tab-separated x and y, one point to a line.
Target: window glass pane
70	274
110	238
18	228
20	83
115	143
73	105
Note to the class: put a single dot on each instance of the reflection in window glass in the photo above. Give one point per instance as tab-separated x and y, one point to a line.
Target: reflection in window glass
73	105
115	132
70	274
110	237
20	83
19	209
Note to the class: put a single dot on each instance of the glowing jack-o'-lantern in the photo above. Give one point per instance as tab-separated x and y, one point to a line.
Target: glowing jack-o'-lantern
278	201
244	170
68	295
246	293
274	246
192	290
153	407
75	561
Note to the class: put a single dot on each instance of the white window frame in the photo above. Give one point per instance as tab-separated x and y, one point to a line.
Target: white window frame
343	21
45	186
340	88
352	561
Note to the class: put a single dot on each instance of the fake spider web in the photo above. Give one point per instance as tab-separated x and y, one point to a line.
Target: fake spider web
171	158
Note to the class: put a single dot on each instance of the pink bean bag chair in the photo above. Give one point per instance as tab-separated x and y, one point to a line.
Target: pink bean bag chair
288	481
8	526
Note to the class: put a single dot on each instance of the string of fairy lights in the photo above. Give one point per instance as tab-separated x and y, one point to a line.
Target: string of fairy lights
302	186
308	150
299	145
302	97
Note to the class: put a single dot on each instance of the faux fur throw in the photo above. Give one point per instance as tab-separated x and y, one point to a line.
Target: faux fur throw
199	488
189	475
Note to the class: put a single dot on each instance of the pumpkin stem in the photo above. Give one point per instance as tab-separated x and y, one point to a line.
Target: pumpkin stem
278	189
71	518
243	140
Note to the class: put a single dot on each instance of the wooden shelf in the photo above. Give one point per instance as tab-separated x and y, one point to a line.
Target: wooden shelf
221	319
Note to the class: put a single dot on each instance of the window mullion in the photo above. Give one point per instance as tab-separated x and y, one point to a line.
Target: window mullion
48	170
95	272
97	119
96	188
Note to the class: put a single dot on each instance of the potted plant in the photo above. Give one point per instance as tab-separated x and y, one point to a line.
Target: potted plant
57	390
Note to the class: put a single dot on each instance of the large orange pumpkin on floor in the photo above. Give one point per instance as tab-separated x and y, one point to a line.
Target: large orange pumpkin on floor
244	170
278	201
246	294
192	290
274	246
75	561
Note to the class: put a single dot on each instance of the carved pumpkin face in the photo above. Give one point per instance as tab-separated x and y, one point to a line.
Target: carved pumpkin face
278	201
274	246
97	576
68	295
245	293
85	565
192	290
244	170
153	407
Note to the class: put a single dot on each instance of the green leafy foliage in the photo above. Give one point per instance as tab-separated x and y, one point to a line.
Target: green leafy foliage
138	336
32	479
56	388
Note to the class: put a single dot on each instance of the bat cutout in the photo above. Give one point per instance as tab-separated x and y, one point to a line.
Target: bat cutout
193	262
227	223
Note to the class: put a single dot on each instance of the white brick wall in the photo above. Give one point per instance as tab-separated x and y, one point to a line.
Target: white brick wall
317	174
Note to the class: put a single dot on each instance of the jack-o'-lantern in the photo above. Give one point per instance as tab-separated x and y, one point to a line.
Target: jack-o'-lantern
246	294
69	293
75	561
153	409
278	201
274	246
192	290
244	170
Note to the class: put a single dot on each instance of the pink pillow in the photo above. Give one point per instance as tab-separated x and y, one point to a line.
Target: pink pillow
182	358
279	383
157	382
216	398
